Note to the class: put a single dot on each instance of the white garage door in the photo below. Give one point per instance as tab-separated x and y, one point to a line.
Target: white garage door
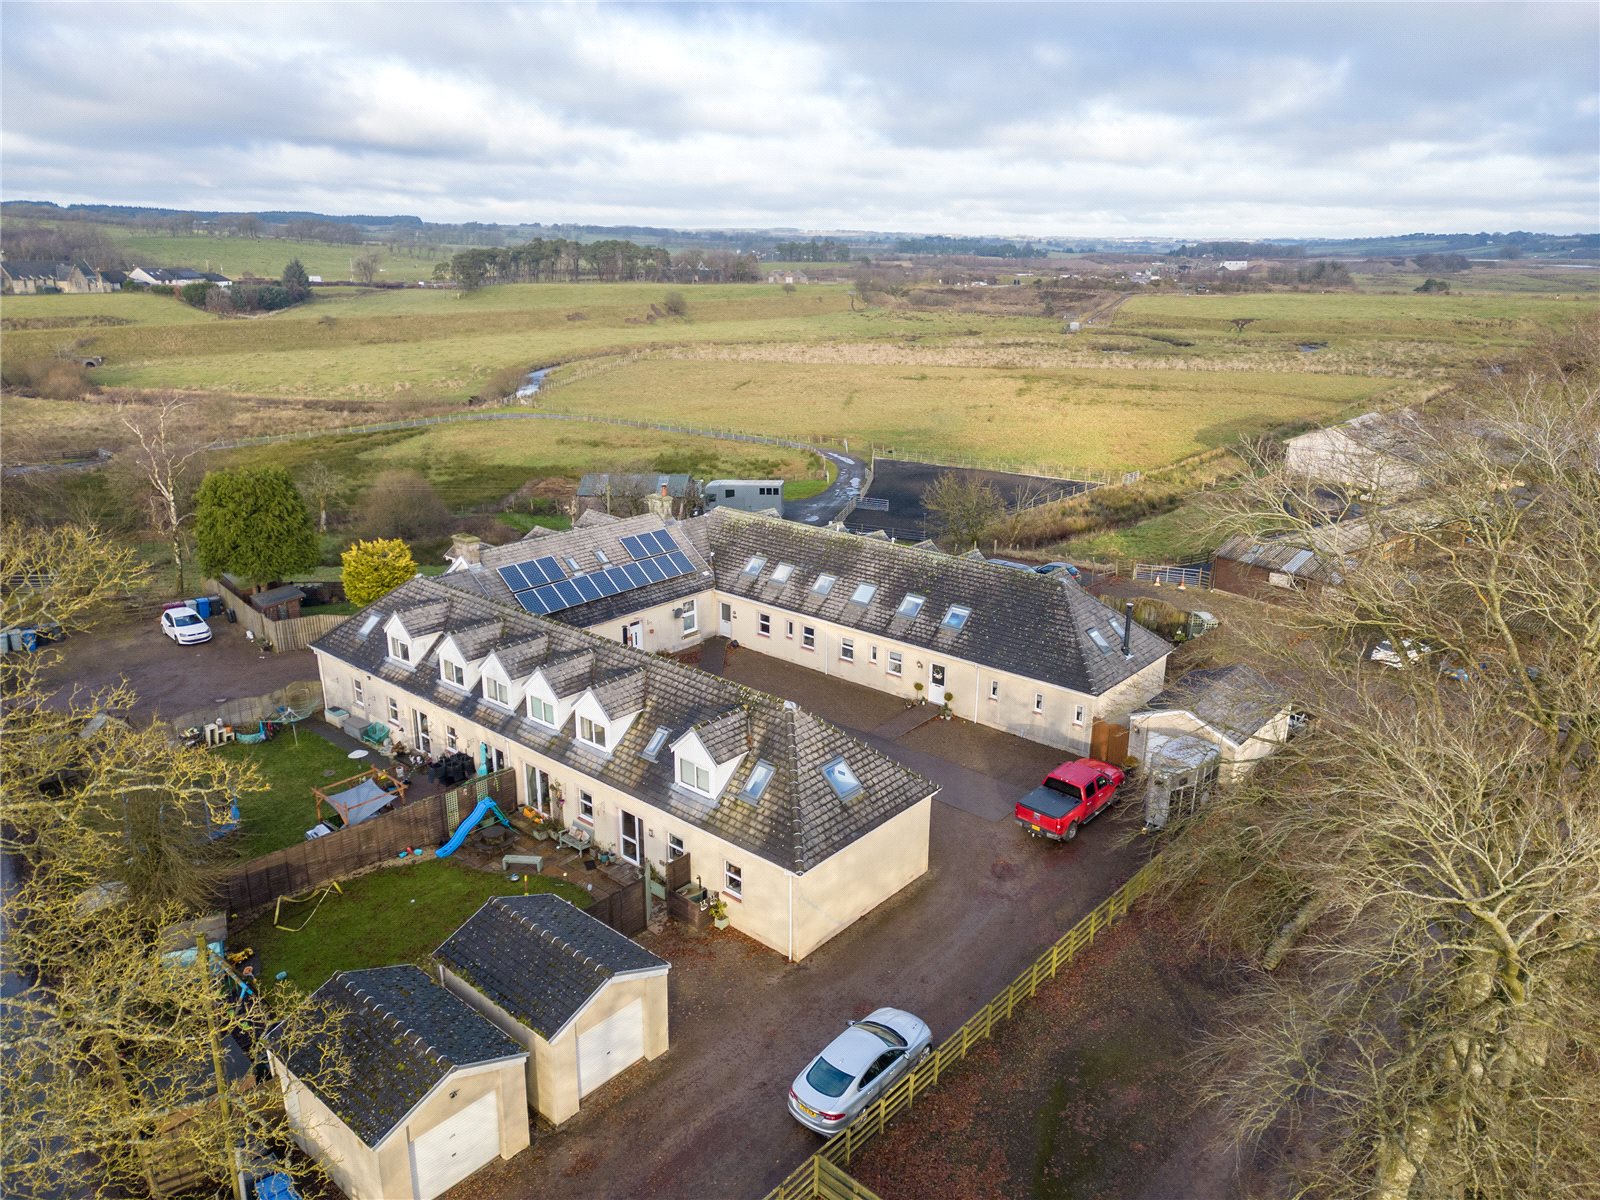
611	1046
456	1147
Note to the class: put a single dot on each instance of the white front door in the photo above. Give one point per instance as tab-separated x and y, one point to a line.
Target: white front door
725	620
610	1047
936	688
632	838
456	1147
635	634
538	791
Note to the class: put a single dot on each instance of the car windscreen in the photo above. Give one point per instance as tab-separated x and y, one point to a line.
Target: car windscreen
187	619
889	1036
827	1078
1070	790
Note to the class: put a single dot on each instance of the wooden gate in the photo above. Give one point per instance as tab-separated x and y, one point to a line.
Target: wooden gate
1109	742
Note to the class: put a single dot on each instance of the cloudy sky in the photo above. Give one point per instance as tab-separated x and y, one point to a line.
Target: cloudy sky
1121	119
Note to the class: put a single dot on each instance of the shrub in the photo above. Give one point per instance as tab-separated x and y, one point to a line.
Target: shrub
49	378
675	304
374	569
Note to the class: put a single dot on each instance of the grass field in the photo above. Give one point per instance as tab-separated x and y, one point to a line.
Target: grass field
264	257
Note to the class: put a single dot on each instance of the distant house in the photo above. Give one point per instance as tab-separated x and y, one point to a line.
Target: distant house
1372	453
176	277
1236	264
1235	708
24	278
746	495
628	495
585	1001
419	1093
1266	568
788	277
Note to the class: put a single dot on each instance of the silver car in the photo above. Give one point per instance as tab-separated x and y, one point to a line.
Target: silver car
856	1068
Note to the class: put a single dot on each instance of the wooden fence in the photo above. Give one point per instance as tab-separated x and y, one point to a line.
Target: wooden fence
257	884
294	633
623	910
813	1182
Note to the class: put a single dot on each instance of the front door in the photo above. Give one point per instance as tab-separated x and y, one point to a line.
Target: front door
725	620
423	740
633	635
632	838
539	791
936	682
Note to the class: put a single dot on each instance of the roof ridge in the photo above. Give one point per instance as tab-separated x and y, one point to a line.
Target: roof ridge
370	1001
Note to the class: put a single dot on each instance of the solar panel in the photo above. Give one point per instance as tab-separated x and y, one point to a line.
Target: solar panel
664	542
607	585
650	568
512	578
680	560
552	569
551	599
636	577
568	592
530	601
588	587
635	546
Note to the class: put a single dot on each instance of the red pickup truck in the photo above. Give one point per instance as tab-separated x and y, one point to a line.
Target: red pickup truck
1073	793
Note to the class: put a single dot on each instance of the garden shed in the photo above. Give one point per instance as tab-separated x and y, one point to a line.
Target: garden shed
279	603
420	1092
1235	708
585	1001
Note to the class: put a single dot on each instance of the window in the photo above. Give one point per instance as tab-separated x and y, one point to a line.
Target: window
789	630
452	673
586	807
592	732
808	637
897	663
781	573
872	655
424	739
764	624
994	689
572	565
359	693
496	691
910	606
1038	702
674	847
632	838
541	710
864	593
1077	715
1099	640
399	649
538	790
753	567
824	584
756	785
658	739
733	880
394	711
693	775
847	650
956	619
727	493
600	557
450	738
691	619
841	778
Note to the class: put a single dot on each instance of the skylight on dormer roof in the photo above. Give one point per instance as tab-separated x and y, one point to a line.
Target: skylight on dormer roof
864	593
753	567
910	606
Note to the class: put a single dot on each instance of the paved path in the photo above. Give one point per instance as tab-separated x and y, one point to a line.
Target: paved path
914	716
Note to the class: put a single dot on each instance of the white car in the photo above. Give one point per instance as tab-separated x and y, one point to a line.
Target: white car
185	626
1386	654
856	1067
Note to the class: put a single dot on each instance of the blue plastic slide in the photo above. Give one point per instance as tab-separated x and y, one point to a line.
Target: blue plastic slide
485	807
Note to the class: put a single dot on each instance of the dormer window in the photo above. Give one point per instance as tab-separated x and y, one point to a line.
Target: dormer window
496	692
541	711
824	584
956	619
781	573
864	593
910	606
592	732
692	775
399	648
753	567
841	778
452	673
756	785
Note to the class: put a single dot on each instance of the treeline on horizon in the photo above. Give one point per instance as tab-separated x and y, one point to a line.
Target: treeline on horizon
548	260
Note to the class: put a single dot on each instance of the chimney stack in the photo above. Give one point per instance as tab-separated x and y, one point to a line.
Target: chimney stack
1127	630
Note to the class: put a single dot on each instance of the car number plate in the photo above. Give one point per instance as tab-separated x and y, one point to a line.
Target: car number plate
1036	829
806	1108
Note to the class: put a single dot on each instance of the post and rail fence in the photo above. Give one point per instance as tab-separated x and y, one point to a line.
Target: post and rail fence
829	1179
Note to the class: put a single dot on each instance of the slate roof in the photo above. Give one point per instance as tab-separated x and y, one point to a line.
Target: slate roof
642	485
589	518
1235	700
580	543
399	1035
540	958
22	268
725	737
798	822
622	693
1031	625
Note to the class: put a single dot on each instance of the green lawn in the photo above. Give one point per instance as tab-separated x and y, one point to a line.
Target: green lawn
279	817
1177	536
398	914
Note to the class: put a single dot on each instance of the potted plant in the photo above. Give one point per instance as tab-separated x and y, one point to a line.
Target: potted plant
917	687
719	913
945	712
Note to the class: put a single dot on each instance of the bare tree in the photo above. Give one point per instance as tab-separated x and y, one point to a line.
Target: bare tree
961	509
1422	871
165	460
323	487
1240	324
366	266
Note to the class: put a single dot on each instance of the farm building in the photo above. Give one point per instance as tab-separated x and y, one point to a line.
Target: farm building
176	276
22	278
585	1002
1375	454
799	826
1235	709
1307	561
745	495
626	495
419	1093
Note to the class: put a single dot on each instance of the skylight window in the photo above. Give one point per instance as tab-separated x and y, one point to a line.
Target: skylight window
781	573
753	567
841	778
864	593
756	785
601	557
1099	639
824	584
910	606
956	619
368	625
572	565
658	739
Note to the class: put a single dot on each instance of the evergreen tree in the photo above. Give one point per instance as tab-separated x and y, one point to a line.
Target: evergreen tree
253	524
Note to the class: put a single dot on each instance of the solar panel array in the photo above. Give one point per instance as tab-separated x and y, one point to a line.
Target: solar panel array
543	586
